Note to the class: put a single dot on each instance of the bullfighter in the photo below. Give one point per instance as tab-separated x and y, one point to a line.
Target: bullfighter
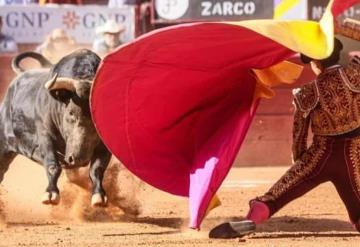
331	105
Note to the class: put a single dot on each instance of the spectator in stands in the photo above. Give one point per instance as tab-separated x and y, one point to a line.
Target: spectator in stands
109	37
7	43
57	45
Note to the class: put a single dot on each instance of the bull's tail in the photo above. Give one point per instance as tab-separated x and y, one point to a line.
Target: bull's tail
15	63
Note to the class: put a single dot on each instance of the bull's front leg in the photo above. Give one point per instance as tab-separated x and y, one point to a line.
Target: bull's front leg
99	163
53	172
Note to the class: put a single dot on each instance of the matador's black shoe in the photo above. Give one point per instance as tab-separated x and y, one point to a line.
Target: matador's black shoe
235	229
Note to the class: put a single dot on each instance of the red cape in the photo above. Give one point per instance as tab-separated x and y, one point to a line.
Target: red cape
175	105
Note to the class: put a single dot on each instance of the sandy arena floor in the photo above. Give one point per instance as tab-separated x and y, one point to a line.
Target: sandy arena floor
318	219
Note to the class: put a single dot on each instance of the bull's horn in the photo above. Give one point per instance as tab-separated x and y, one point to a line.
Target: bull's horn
63	83
50	82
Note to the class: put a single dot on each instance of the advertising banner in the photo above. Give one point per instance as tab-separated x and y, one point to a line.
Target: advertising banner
166	11
32	23
316	9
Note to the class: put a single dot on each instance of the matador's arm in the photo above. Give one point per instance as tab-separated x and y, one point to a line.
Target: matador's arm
300	132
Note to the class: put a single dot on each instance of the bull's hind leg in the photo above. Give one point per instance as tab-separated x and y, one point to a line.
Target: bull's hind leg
5	159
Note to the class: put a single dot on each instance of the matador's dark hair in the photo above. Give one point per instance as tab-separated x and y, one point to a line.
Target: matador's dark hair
329	61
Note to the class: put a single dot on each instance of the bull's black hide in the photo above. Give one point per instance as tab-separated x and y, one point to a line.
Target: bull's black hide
45	116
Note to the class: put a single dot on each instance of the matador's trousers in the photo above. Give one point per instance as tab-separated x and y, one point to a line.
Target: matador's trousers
335	159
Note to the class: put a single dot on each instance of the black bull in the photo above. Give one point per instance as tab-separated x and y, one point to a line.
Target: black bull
45	116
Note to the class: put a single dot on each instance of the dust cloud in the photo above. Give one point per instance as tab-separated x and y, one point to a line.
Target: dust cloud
25	182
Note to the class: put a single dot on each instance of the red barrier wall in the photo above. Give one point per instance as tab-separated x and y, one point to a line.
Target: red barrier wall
269	140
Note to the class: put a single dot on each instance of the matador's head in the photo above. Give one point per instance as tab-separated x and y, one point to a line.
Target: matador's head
333	59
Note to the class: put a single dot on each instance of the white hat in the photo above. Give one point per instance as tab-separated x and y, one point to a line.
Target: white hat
110	26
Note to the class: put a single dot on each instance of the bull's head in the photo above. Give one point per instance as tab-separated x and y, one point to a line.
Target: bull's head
71	84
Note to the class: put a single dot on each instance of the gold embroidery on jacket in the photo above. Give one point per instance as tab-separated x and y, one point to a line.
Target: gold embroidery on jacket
337	112
351	75
306	98
300	133
355	161
301	170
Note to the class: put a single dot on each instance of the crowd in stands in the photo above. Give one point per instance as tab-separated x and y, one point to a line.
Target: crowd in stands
108	37
59	43
56	44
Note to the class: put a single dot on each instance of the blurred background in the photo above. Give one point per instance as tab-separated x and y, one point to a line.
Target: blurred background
55	28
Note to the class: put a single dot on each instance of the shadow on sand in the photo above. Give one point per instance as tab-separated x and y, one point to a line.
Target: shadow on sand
175	222
277	227
295	227
30	224
302	224
141	233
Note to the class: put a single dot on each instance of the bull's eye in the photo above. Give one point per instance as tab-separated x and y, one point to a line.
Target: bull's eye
71	117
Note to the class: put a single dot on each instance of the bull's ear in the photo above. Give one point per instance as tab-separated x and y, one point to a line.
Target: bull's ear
62	95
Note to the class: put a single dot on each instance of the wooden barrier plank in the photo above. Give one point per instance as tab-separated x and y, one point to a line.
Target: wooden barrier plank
271	127
280	104
268	142
264	153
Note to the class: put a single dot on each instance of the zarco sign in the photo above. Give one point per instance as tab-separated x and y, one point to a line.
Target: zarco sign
212	10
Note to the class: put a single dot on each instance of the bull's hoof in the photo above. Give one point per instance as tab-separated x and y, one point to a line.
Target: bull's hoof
50	198
98	200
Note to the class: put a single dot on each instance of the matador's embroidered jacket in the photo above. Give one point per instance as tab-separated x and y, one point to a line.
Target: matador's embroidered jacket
331	104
